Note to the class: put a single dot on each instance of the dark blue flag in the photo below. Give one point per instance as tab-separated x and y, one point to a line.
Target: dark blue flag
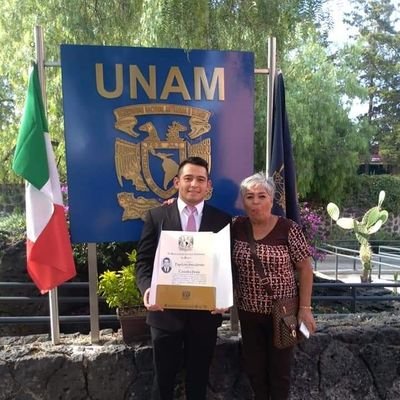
282	168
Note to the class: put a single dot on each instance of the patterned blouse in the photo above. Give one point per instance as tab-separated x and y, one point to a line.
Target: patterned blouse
283	247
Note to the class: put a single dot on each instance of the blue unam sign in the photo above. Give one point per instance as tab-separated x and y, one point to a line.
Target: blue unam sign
133	114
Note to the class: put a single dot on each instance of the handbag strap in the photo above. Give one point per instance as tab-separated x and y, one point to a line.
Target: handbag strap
257	262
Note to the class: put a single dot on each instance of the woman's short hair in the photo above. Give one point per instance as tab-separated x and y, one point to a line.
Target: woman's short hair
258	179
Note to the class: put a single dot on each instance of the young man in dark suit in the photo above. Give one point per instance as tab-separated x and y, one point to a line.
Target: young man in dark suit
180	334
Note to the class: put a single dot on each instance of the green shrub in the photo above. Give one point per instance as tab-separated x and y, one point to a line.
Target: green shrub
364	189
15	225
119	287
110	255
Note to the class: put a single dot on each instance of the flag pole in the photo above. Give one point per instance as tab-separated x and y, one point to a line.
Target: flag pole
93	298
270	71
271	45
53	296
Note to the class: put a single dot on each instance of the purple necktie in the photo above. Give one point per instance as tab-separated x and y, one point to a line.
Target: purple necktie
191	223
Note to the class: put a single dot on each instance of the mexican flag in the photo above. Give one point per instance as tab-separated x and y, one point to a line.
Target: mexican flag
49	253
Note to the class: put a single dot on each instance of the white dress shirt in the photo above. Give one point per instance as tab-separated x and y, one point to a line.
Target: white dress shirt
184	213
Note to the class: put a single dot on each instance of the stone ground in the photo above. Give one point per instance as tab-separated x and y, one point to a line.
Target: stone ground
111	337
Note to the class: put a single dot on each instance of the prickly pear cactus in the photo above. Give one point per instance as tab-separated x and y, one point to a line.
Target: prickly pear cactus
371	222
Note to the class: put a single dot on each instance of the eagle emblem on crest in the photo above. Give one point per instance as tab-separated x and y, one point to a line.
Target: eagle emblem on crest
150	160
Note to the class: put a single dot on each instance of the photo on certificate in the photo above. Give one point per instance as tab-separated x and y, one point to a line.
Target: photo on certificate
192	270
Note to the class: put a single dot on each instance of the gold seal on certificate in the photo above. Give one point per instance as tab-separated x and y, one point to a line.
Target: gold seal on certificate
188	270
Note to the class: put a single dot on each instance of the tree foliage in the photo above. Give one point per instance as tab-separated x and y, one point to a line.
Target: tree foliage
379	71
202	24
326	142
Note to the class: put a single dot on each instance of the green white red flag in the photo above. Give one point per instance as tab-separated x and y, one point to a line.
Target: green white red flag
49	254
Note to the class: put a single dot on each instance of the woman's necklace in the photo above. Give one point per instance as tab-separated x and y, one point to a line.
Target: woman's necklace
262	229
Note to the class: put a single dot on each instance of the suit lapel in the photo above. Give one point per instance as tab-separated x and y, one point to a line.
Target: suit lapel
206	219
173	219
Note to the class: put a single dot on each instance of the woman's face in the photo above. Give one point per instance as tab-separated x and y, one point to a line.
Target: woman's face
257	203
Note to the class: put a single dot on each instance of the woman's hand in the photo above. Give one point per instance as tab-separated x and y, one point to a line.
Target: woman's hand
168	201
305	315
220	311
305	273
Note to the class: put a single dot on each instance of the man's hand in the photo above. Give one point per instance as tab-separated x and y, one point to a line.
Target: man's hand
150	307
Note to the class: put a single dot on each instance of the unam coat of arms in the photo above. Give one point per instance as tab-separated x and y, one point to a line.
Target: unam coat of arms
151	162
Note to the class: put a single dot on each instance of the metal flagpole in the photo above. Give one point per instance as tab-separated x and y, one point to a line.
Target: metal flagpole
53	296
93	299
92	256
271	44
270	71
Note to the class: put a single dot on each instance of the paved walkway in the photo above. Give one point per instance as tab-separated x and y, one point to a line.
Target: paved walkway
349	270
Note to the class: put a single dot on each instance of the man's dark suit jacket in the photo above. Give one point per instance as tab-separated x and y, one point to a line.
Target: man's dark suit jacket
168	218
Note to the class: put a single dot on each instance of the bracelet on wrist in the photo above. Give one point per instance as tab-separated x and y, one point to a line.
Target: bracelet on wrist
306	307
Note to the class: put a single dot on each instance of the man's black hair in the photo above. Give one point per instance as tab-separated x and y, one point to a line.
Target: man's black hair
201	162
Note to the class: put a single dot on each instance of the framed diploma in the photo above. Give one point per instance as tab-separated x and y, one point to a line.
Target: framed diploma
187	270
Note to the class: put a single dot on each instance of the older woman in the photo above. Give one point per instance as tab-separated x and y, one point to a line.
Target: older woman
284	254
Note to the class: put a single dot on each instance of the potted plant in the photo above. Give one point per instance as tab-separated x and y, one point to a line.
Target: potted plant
371	222
120	291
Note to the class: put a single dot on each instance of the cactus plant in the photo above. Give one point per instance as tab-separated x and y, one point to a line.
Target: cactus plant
371	222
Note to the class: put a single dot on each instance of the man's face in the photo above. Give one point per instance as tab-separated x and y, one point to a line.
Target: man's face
192	184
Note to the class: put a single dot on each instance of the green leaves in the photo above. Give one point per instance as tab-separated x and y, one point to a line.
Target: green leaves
320	86
119	287
326	141
202	24
378	70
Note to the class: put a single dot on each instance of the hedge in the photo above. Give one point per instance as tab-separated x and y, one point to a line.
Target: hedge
363	192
